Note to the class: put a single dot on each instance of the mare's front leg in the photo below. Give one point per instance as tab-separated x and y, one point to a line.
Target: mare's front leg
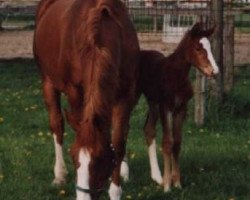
52	102
178	119
167	144
120	126
150	134
75	99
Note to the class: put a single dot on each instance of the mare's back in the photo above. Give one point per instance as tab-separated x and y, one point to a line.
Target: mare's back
60	38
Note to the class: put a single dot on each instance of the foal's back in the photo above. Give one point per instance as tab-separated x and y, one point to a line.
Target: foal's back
161	77
151	74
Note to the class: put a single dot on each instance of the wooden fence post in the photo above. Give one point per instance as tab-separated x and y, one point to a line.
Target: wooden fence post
200	89
1	23
200	98
228	53
217	44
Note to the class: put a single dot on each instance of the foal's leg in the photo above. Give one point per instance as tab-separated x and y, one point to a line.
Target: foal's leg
52	101
150	134
178	119
167	124
120	126
125	169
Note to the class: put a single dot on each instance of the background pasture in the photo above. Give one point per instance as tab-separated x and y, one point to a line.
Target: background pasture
215	159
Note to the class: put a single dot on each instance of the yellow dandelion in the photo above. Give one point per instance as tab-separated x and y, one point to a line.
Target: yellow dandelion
40	134
62	192
201	130
132	156
1	119
33	107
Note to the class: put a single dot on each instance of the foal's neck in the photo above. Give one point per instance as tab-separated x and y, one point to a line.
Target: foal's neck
179	62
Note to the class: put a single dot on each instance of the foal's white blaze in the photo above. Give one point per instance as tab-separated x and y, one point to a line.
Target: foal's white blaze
115	192
155	170
83	175
206	45
59	168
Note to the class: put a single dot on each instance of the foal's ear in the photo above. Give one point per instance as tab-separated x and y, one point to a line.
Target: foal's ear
209	32
197	31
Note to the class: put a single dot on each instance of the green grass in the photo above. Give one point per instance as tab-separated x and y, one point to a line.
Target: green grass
215	159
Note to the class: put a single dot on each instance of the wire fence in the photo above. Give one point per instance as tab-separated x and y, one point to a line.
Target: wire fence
157	22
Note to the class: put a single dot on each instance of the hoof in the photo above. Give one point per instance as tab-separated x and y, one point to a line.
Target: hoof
177	185
167	188
115	192
59	181
157	178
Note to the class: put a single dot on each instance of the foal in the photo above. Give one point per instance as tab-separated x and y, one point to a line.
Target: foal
165	83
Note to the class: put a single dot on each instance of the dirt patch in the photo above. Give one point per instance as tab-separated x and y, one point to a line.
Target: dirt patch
19	44
16	44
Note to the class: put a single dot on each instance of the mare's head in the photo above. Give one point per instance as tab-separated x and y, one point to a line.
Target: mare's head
94	159
198	50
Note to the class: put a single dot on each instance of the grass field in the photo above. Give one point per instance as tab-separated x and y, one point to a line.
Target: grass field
215	159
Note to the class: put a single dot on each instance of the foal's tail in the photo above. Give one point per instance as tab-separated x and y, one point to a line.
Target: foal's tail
100	89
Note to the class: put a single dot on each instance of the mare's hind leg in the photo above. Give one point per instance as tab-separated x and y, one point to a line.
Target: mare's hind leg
167	143
178	119
150	134
120	126
52	101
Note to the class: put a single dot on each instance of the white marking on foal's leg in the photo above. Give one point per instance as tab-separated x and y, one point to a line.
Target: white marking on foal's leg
60	170
206	45
124	170
115	192
83	175
155	170
167	178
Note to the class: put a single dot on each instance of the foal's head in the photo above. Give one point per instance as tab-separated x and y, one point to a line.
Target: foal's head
198	50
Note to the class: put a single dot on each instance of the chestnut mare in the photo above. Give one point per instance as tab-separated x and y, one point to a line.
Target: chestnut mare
167	88
88	50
